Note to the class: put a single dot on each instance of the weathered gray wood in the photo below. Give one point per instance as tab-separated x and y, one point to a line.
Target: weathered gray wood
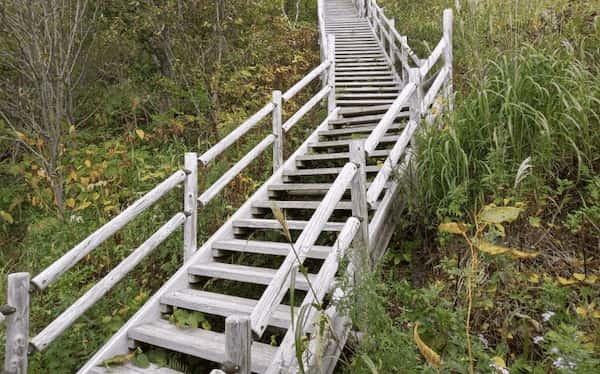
415	77
190	205
338	156
17	324
233	136
286	354
238	342
434	90
216	187
331	73
360	209
265	247
433	58
68	260
378	134
306	108
242	273
277	131
322	171
290	93
390	163
2	318
66	319
221	305
273	224
448	21
346	142
201	343
276	290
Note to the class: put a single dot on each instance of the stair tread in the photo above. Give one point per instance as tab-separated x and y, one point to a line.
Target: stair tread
343	142
324	171
129	368
273	224
222	305
356	129
265	247
298	204
243	273
205	344
338	155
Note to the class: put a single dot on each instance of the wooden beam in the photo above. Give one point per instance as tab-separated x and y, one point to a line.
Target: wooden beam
331	74
448	22
277	131
360	209
17	324
306	108
190	205
292	91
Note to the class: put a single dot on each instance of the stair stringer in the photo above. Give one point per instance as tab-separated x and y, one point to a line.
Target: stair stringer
118	343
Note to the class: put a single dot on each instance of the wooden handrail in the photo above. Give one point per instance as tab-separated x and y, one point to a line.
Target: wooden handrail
306	108
290	93
87	300
286	350
433	58
69	259
278	287
389	117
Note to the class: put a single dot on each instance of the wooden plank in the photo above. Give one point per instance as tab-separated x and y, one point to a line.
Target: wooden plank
233	136
216	187
277	130
292	91
69	259
242	273
273	224
221	305
130	368
298	204
265	247
306	108
238	342
277	288
433	58
337	156
331	98
346	142
205	344
434	90
66	319
378	134
448	22
190	205
323	171
360	209
356	129
17	324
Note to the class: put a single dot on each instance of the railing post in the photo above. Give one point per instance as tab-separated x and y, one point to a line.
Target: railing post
448	20
190	205
277	131
404	58
414	76
238	343
331	76
358	190
17	324
391	41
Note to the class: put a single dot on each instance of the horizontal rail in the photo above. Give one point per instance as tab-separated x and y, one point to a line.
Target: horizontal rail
69	259
306	108
66	319
390	163
2	318
433	58
389	117
286	353
435	87
216	187
233	136
305	81
278	287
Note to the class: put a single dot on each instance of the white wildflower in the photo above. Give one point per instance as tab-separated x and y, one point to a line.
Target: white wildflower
484	341
499	369
554	350
559	363
538	339
75	218
547	315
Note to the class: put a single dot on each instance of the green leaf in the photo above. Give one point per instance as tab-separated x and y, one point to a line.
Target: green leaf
7	217
491	214
141	361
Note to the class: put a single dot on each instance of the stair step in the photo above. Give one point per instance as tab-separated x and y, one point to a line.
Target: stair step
365	110
273	224
222	305
363	120
305	189
323	171
130	368
363	102
205	344
243	273
338	156
346	142
341	91
297	204
267	248
367	83
357	129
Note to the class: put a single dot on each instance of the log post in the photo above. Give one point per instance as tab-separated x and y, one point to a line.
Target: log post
404	58
331	76
238	343
277	131
392	44
414	76
17	324
448	20
190	205
360	210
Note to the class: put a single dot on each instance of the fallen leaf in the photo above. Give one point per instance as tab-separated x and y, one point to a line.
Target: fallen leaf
88	163
453	228
140	133
431	357
579	276
522	254
565	281
491	214
492	249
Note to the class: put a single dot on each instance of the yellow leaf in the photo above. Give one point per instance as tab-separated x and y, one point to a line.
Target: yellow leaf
579	276
491	248
70	202
431	357
82	206
581	311
84	181
491	214
596	314
88	163
20	135
500	229
73	175
565	281
140	133
522	254
534	278
591	279
499	361
453	228
6	217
